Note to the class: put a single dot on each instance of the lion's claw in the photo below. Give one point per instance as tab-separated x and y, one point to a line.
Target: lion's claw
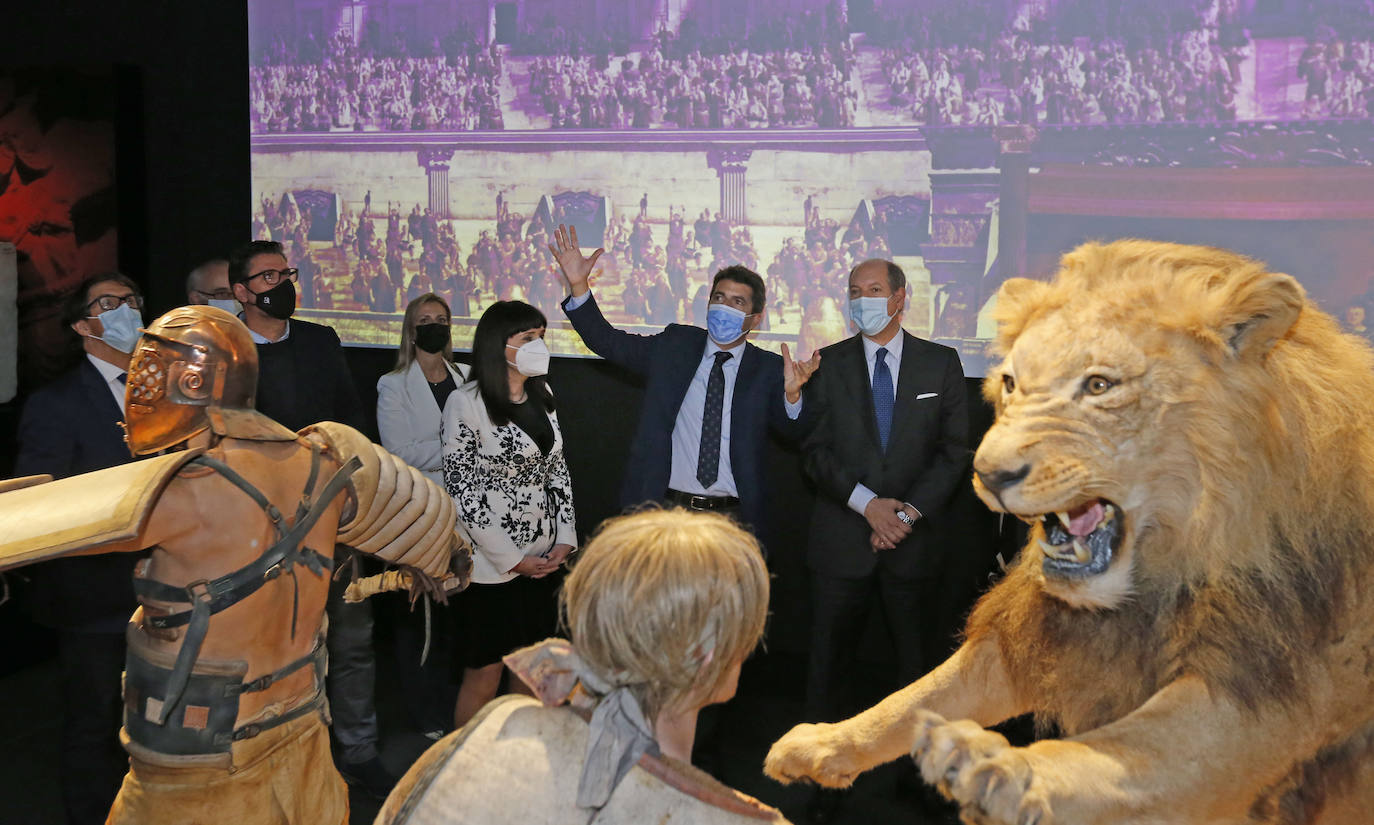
991	780
819	753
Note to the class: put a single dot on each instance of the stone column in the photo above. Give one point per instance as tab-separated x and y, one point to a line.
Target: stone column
730	165
1014	159
435	161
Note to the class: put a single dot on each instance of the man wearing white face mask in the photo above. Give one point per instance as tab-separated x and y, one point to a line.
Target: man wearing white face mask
886	449
208	285
710	395
69	427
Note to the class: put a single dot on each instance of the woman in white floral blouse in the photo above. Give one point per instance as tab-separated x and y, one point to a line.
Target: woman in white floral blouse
504	467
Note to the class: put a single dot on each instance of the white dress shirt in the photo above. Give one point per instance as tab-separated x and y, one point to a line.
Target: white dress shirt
859	499
111	374
686	439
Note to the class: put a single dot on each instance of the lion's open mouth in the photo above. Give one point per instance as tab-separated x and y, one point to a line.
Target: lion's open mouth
1081	541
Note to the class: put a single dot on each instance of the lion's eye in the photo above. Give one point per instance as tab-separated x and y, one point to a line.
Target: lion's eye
1096	384
1008	384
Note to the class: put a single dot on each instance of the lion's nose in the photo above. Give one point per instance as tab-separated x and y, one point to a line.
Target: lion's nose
998	480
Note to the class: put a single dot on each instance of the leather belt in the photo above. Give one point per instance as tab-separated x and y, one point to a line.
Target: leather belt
695	502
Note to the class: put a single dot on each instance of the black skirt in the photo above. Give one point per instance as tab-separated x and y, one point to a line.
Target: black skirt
495	619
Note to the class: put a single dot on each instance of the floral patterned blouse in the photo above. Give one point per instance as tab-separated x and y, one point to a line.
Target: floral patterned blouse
513	500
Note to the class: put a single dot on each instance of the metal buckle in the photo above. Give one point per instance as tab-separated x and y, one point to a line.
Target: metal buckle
199	590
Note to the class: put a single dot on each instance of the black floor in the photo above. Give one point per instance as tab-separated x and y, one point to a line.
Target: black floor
769	702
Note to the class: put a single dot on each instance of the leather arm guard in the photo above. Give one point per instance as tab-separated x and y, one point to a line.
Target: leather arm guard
397	514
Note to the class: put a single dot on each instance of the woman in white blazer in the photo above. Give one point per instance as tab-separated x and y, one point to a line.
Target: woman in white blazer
410	398
410	404
504	467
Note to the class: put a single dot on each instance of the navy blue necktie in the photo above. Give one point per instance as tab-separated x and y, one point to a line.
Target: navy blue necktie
708	457
882	396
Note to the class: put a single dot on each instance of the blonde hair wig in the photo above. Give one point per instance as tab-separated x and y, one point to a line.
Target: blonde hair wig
667	602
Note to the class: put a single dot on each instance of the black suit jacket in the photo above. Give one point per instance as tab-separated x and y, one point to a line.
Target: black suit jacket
305	379
70	427
926	458
668	361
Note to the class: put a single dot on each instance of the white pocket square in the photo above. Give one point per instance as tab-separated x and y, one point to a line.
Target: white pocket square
926	395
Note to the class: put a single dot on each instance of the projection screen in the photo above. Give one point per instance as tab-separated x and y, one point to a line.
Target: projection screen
408	146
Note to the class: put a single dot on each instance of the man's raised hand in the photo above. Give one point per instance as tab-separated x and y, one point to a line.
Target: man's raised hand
575	266
795	374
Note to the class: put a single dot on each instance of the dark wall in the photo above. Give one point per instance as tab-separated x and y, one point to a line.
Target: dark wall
185	196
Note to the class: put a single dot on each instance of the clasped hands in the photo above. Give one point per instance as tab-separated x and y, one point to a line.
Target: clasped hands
537	567
888	528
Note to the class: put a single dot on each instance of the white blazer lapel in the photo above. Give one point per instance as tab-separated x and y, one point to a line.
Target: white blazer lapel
421	399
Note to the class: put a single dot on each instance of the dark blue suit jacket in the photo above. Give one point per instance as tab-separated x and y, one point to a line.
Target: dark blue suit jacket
70	427
667	361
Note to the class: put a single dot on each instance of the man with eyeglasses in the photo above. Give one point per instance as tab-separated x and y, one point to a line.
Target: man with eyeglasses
208	285
69	427
303	378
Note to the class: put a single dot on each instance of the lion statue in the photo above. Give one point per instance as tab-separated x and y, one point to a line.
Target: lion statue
1192	441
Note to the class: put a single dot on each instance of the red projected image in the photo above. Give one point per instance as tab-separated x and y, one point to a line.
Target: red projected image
435	146
57	200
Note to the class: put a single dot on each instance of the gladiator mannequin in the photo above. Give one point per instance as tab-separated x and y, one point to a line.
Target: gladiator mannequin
225	716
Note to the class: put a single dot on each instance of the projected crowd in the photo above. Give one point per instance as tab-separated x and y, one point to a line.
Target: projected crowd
1086	61
652	273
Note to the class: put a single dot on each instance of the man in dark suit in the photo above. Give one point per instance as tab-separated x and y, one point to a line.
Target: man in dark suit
70	427
887	444
687	449
303	378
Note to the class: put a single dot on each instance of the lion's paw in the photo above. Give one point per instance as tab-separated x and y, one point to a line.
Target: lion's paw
820	753
991	780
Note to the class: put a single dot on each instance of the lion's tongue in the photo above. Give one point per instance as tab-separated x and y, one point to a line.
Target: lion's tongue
1083	522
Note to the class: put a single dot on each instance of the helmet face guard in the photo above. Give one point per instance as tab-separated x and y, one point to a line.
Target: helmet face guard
189	361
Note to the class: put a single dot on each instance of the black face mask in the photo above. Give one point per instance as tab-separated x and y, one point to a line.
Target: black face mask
279	301
431	337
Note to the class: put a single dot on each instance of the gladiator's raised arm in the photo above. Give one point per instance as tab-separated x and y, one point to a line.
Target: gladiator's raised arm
396	514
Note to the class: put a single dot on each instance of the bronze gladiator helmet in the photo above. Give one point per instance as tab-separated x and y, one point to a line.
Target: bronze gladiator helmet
195	368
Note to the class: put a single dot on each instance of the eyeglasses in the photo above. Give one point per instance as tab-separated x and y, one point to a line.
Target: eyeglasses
272	277
109	302
218	295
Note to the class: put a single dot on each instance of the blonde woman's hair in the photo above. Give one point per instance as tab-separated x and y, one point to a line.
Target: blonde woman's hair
667	602
406	354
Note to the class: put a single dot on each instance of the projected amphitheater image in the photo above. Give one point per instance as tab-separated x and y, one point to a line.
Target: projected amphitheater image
402	148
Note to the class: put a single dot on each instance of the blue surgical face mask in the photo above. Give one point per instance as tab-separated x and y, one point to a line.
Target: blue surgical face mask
229	305
121	327
724	324
870	315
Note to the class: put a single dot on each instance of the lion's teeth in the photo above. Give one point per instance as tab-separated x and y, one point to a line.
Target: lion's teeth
1063	518
1080	553
1109	513
1063	552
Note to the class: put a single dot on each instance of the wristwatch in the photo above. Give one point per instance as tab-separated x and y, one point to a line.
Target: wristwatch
904	518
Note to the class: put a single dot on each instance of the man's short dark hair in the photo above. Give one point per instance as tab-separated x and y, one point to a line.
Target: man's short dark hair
239	258
193	279
76	305
748	277
896	278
